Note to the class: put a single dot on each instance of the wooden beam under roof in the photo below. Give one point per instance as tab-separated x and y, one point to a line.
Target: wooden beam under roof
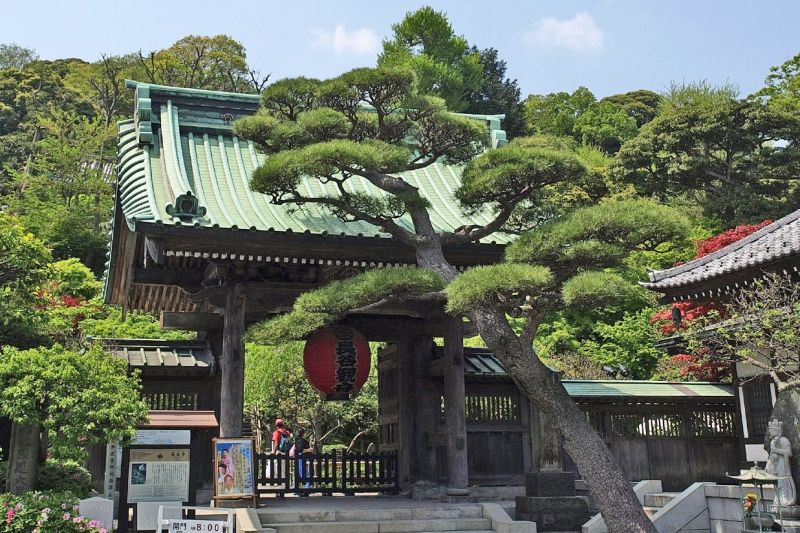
191	321
379	328
287	244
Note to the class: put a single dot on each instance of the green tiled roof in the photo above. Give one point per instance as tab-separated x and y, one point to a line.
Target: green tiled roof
161	353
481	362
181	141
649	389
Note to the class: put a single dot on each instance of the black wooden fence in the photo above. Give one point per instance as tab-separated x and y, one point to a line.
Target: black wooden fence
328	473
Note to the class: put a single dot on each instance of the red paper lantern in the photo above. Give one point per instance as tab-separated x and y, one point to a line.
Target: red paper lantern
336	361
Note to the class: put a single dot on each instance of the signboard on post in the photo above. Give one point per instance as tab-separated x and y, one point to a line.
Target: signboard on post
158	474
234	469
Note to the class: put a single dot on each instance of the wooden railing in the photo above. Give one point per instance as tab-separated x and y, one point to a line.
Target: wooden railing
328	473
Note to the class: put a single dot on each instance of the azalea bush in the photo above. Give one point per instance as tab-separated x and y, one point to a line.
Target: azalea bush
44	512
64	476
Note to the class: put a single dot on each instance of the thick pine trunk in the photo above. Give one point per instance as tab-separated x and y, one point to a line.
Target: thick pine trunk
618	504
621	509
232	383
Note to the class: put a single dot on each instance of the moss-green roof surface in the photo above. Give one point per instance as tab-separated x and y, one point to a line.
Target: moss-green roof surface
181	141
649	389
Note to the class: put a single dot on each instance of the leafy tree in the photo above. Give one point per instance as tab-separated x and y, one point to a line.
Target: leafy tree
67	195
76	398
642	105
606	126
425	42
13	55
23	268
556	113
627	345
334	139
498	94
103	83
276	387
217	63
720	150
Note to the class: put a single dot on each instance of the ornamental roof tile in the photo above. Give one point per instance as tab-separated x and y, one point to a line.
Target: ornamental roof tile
774	242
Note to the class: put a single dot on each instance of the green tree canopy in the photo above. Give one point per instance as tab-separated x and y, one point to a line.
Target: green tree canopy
217	63
80	398
724	152
606	126
556	113
13	55
642	105
498	94
24	267
443	62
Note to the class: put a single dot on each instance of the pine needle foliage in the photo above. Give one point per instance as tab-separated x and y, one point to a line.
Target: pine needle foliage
315	309
501	285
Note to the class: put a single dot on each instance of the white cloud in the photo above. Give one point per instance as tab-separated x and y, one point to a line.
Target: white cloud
362	41
580	33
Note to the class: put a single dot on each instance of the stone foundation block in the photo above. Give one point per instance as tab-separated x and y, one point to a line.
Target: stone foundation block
563	513
548	484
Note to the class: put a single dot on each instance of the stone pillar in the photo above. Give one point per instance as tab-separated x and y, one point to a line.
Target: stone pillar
550	497
546	443
455	418
23	458
232	386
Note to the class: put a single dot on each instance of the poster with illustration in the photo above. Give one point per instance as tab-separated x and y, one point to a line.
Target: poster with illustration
234	471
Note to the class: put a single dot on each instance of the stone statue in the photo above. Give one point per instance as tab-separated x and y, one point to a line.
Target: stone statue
780	450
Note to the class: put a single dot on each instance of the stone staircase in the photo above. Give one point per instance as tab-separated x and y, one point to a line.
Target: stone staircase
654	502
466	519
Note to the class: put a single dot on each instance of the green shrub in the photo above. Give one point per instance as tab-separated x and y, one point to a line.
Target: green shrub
58	476
44	512
64	476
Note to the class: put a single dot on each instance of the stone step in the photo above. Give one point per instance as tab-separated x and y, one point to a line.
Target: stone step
659	499
268	516
393	526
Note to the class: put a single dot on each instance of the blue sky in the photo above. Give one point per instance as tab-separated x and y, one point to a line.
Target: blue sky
610	46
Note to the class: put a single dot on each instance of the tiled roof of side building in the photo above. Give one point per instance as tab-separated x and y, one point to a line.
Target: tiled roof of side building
774	242
181	142
481	363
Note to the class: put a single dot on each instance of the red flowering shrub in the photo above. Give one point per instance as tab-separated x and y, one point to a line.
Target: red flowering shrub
717	242
699	367
692	310
687	367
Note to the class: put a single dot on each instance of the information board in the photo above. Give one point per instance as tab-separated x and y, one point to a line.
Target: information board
158	474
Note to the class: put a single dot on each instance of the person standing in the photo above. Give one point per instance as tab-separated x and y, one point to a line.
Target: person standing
281	438
302	448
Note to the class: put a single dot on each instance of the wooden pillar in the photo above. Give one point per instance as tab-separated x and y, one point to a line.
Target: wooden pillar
419	409
23	458
232	386
455	418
